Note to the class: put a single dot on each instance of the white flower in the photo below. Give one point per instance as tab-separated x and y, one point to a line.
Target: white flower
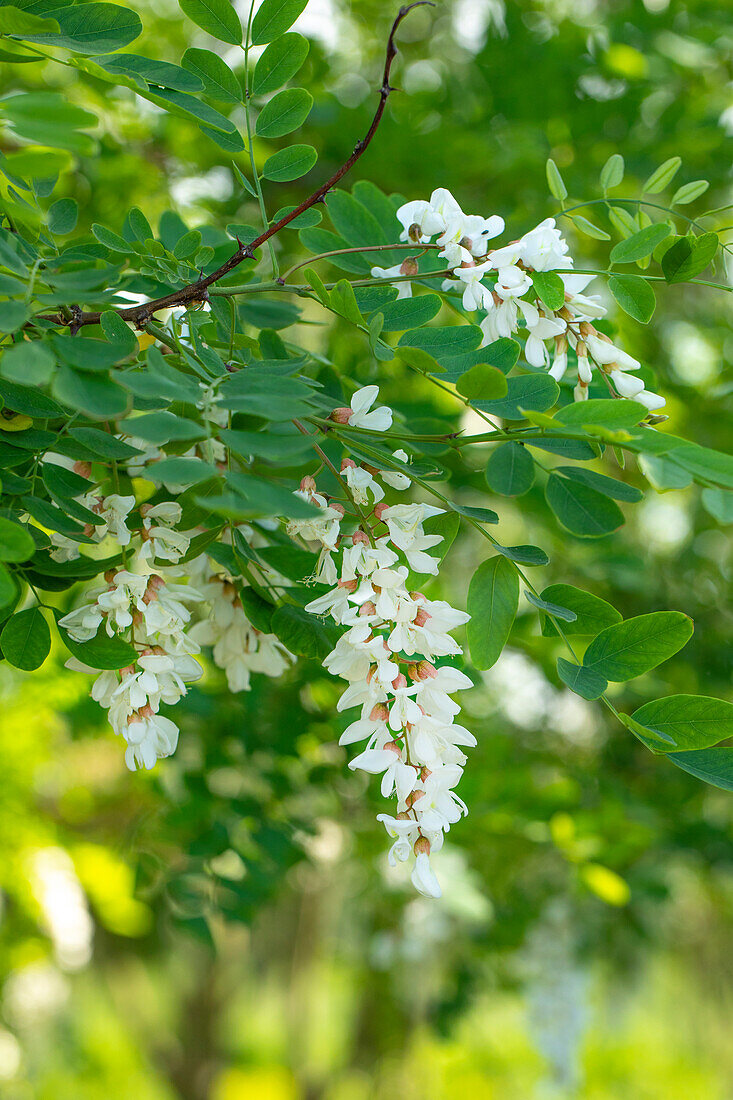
421	214
160	539
404	831
83	623
403	287
626	384
475	294
115	510
606	353
511	282
540	329
394	477
378	420
543	248
148	740
323	528
361	483
652	401
423	877
64	549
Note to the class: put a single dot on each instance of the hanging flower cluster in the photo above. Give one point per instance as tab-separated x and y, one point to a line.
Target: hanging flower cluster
388	653
239	649
143	602
498	282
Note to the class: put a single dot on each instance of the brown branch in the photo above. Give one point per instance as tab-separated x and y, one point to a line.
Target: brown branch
198	291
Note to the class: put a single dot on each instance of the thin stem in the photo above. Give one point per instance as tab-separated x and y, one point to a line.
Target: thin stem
339	476
198	291
410	246
250	144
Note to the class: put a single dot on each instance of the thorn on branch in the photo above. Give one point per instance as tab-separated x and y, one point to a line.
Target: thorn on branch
76	321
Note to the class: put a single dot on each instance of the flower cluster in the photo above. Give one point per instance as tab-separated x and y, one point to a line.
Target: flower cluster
387	654
498	282
238	647
143	601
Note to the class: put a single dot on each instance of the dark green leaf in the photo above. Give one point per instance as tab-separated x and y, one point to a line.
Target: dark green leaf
482	382
628	649
510	470
26	639
493	596
15	542
634	295
273	18
217	78
217	17
530	391
688	721
580	509
592	613
550	288
302	633
62	216
640	244
688	256
284	113
279	62
92	28
290	164
100	652
608	486
583	681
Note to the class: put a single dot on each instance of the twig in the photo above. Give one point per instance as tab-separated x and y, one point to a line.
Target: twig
196	292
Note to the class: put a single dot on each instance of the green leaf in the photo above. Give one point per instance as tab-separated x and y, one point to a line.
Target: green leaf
407	313
603	411
663	176
689	192
284	113
161	427
8	590
15	542
493	597
640	244
177	471
688	256
280	61
628	649
290	164
28	400
103	444
612	172
13	315
550	288
482	382
15	21
62	216
592	613
269	445
117	332
188	106
303	633
688	721
188	245
273	18
529	391
589	229
555	609
217	78
581	509
555	180
526	554
714	766
583	681
481	515
29	363
634	295
152	71
608	486
704	463
93	394
100	652
26	640
92	28
510	470
217	17
719	503
111	240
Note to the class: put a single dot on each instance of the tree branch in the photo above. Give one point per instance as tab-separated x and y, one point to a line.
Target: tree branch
198	291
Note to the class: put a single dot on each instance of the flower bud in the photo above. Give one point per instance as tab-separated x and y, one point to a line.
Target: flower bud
379	510
426	671
421	618
421	846
400	681
348	464
350	586
415	232
368	608
409	267
379	713
341	415
360	536
392	746
308	484
83	469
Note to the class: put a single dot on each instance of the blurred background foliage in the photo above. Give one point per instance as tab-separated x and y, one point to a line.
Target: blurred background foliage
225	929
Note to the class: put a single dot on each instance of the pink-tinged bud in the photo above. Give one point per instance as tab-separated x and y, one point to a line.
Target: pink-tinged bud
146	711
402	816
418	596
88	529
426	671
422	846
129	670
337	507
412	672
147	652
425	772
421	618
409	267
348	464
83	469
308	484
379	713
158	651
110	575
400	681
392	746
370	674
137	618
155	582
380	509
368	608
98	506
342	414
370	469
144	509
413	798
350	586
360	537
